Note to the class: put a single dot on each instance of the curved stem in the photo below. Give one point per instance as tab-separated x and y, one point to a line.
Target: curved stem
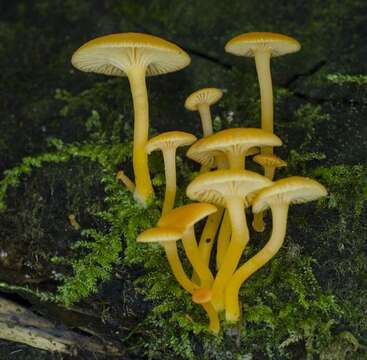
144	189
181	277
192	252
224	238
206	119
240	238
169	156
280	214
258	222
126	181
174	261
208	235
214	324
262	60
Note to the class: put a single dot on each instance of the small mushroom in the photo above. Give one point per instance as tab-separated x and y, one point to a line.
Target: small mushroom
168	143
167	237
179	224
270	163
284	192
184	218
236	143
229	189
136	56
201	100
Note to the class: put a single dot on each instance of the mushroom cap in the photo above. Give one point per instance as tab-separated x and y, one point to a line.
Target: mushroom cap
159	234
184	217
219	185
206	158
269	160
238	140
246	44
170	140
114	54
201	296
207	96
291	190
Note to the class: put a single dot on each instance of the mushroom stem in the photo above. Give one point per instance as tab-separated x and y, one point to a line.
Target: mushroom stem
214	324
125	180
192	252
169	157
236	162
144	189
262	60
258	222
240	238
175	263
280	215
181	277
208	235
206	119
224	238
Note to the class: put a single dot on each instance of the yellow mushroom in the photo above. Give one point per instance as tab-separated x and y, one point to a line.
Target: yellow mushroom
179	224
262	46
278	197
167	237
229	189
269	162
168	143
136	56
235	143
201	100
184	218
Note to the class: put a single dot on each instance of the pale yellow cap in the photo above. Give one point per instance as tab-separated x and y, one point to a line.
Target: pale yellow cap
234	140
207	96
114	54
217	186
159	234
269	160
291	190
170	139
247	44
184	217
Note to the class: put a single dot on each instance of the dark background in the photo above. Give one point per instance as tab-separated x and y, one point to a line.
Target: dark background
38	38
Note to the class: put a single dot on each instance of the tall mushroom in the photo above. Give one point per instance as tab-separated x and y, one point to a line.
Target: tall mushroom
262	46
168	143
201	100
228	188
269	162
278	197
136	56
236	144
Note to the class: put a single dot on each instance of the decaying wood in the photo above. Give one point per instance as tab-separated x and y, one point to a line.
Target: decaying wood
19	324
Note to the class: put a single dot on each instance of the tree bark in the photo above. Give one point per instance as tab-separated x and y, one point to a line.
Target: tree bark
19	324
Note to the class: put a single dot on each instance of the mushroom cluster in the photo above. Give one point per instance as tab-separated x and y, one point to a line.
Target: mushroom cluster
224	188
